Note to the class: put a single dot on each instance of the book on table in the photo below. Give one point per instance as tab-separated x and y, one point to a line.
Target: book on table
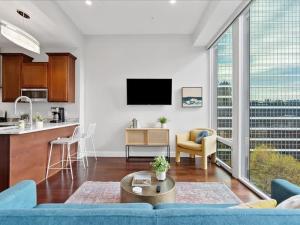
141	180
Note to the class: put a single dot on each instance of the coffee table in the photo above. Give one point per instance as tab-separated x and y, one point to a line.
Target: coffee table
166	195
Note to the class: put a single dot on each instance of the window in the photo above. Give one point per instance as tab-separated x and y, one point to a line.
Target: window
223	52
274	86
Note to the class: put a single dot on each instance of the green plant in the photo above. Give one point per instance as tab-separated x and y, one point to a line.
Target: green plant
38	117
160	164
162	120
267	164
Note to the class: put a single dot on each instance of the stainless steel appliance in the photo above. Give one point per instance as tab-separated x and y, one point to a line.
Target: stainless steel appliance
58	114
36	95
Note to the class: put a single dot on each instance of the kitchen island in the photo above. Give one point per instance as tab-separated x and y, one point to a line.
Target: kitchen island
24	152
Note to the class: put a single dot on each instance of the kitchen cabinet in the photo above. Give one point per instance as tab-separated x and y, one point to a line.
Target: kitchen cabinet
61	77
11	74
34	75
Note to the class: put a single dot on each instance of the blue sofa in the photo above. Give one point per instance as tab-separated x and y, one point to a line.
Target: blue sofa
18	206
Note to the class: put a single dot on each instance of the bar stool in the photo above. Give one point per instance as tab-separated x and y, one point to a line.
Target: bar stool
75	138
89	137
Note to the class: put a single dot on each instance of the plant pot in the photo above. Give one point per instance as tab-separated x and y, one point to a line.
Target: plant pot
161	175
39	124
163	125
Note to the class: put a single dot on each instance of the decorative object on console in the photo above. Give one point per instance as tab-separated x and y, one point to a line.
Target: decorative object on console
192	97
163	122
160	165
135	123
39	120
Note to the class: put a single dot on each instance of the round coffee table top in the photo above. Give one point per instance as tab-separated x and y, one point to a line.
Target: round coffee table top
168	185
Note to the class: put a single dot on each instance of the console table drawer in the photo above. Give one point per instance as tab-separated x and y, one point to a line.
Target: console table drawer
158	137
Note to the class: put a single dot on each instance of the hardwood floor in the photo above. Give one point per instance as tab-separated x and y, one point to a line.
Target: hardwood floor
59	187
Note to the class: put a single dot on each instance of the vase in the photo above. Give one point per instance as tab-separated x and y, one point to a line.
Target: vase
39	124
163	125
161	175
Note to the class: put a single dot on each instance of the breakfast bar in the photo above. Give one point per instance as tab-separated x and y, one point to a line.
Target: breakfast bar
24	152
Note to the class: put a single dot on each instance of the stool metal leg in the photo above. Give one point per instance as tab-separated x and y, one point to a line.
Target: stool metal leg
63	156
81	152
94	149
69	160
49	160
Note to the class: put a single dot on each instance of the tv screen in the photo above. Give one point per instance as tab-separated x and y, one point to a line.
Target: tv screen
149	91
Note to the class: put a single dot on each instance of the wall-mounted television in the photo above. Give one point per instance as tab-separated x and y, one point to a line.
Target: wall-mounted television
149	91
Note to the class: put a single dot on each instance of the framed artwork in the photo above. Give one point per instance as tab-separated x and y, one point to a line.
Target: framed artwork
192	97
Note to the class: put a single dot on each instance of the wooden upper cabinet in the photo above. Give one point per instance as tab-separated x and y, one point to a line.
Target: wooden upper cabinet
11	75
61	77
34	75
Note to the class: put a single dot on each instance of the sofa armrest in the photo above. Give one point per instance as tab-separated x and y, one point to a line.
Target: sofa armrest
283	189
182	137
209	144
21	196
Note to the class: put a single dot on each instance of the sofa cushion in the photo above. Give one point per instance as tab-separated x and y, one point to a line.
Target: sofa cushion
283	189
190	206
259	204
200	136
290	203
20	196
190	145
96	206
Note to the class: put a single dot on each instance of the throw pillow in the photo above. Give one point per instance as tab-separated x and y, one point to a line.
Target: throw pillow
200	136
260	204
290	203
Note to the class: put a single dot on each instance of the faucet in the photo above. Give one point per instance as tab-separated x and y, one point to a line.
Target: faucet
25	98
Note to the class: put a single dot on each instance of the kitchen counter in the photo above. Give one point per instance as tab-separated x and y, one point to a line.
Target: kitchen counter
47	126
24	152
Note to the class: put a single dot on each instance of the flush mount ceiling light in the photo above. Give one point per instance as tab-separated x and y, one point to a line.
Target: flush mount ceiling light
88	2
19	37
172	2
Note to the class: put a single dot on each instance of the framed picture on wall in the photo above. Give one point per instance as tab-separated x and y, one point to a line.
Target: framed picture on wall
192	97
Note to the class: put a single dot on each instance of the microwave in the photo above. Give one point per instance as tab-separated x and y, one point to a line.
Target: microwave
36	95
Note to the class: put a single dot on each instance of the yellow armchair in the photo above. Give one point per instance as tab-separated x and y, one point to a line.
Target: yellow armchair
186	143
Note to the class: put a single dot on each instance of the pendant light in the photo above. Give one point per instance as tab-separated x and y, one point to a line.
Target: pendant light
19	36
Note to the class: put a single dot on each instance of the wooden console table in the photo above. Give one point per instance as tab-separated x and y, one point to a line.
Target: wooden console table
146	137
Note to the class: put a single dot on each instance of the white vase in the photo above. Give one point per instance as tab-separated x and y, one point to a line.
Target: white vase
164	125
161	176
39	124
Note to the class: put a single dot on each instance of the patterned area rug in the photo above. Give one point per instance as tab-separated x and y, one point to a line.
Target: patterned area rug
92	192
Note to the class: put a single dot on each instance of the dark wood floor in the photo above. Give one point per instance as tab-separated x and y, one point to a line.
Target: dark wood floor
59	187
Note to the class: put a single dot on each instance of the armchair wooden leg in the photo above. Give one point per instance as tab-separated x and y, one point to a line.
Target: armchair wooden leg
192	156
177	156
203	163
214	158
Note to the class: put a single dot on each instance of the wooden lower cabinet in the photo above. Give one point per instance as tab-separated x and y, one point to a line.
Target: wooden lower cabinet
25	156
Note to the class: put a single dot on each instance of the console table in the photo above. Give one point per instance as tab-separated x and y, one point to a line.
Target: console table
146	137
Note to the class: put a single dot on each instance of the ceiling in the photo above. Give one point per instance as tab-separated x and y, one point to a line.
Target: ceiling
64	22
135	17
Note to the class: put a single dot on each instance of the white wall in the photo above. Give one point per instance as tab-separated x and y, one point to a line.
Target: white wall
109	60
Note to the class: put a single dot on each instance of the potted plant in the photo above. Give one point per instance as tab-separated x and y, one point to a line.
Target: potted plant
39	120
163	121
160	165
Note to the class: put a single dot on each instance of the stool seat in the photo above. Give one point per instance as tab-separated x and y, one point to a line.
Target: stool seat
65	141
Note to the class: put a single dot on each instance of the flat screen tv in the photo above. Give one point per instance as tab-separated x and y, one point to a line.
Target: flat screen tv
149	91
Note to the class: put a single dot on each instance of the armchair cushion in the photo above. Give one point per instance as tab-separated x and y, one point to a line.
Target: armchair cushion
200	136
194	133
190	145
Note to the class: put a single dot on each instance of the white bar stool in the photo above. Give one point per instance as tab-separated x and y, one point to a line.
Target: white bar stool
89	137
68	142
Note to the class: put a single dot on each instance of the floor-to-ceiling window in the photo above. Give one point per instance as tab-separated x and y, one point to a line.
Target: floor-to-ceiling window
274	87
223	51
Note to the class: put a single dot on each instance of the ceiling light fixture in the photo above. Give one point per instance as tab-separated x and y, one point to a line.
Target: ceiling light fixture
172	2
89	2
19	37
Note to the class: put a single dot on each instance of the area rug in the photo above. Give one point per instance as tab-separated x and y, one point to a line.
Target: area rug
92	192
